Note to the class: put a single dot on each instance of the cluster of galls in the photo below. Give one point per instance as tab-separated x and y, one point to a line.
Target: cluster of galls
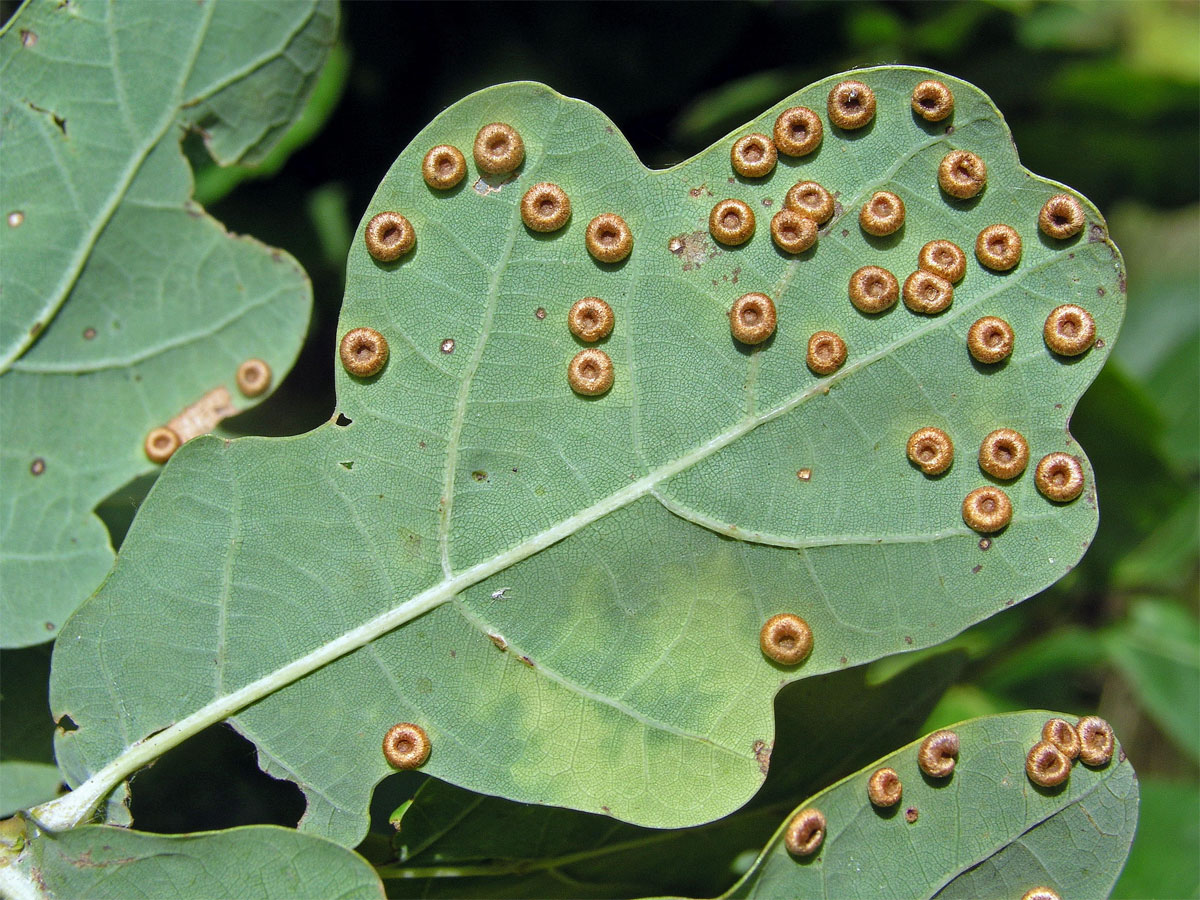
545	208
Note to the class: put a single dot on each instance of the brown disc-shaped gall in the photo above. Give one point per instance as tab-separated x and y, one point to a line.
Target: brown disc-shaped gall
752	318
731	222
881	215
1061	217
406	745
1069	330
873	289
608	238
884	788
805	832
826	353
1004	453
851	105
943	258
786	638
932	101
590	373
443	167
1046	765
753	156
364	351
990	339
962	174
1059	477
998	247
987	509
810	199
161	443
498	149
938	753
792	232
927	293
591	319
1040	893
545	207
930	450
253	377
389	236
1062	734
1096	741
798	131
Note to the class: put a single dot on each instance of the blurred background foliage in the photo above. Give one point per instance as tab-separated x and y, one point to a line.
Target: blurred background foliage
1102	96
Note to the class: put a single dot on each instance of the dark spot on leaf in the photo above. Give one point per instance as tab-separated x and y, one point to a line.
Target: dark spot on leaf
1121	282
28	38
606	809
1099	343
37	467
767	201
349	464
910	815
1009	602
453	654
36	329
447	346
66	724
342	420
976	569
539	314
528	661
985	543
608	128
1100	292
842	660
804	474
421	444
701	191
49	626
845	233
908	639
1095	234
89	333
479	475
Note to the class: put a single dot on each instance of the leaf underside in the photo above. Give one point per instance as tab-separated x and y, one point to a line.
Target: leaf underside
986	831
623	550
124	303
259	862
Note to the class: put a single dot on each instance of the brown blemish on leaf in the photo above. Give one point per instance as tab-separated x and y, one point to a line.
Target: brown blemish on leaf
202	416
804	474
539	313
693	249
762	753
492	184
28	38
447	346
37	467
498	640
975	570
910	815
89	333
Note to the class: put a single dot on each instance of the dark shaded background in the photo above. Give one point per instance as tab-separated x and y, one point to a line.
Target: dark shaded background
1104	97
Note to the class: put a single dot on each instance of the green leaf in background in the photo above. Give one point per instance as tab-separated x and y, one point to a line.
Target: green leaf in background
1158	651
28	774
986	831
452	843
567	592
259	862
125	306
1163	861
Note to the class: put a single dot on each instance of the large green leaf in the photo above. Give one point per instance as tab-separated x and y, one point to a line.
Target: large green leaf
123	303
260	861
986	831
623	550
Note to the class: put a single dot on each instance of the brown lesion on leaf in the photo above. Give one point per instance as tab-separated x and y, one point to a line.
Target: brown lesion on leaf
700	191
762	753
692	249
203	416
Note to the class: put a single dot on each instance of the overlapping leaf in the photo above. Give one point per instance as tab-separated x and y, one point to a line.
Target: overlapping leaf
567	592
259	862
986	831
123	304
